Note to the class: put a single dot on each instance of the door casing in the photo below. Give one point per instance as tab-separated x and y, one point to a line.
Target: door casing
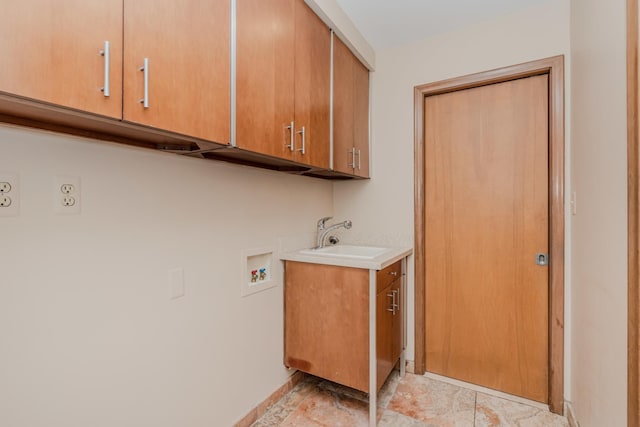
554	68
633	212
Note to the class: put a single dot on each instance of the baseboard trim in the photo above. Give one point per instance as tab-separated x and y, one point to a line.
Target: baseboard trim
257	412
570	414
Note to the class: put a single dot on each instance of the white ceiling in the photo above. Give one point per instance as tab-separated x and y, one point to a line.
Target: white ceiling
386	23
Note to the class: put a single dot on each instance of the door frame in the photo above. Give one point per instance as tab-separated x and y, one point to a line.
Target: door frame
554	68
633	213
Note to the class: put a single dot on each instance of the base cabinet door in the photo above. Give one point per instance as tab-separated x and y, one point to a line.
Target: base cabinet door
327	322
384	334
174	80
397	330
64	52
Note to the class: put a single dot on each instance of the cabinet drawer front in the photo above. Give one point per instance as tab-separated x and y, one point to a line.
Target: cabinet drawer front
387	275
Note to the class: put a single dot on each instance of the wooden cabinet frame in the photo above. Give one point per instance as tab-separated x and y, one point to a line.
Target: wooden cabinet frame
348	300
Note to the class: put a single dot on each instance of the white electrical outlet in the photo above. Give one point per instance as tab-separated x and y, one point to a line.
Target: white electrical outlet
9	195
66	194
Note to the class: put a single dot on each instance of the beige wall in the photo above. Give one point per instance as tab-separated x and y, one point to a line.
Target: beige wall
333	15
599	267
89	336
382	208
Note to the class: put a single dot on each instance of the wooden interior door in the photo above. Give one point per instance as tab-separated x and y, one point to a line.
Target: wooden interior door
187	45
51	52
265	34
312	87
486	218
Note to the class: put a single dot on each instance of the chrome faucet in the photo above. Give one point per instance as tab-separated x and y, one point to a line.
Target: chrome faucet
323	230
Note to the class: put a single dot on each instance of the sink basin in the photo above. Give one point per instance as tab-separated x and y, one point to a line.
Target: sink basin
346	251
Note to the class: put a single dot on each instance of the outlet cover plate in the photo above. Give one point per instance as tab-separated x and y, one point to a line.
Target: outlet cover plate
66	195
14	194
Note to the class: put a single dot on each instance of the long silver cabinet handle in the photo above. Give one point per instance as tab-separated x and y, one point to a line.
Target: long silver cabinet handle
292	138
352	164
397	293
145	69
359	159
106	52
392	295
302	132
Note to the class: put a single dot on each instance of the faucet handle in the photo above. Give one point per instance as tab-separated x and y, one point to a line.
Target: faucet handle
322	221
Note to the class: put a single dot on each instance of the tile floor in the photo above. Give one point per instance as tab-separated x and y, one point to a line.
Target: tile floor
412	401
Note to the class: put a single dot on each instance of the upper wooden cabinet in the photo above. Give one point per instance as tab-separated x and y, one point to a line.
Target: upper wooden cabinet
283	81
157	74
52	50
350	112
186	83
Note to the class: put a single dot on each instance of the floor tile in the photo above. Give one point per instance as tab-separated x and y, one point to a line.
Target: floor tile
434	402
411	401
276	415
388	389
494	411
326	409
394	419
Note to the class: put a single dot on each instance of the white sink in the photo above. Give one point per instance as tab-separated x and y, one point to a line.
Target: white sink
346	251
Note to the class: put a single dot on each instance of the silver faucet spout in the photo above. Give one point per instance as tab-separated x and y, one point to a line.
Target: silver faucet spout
323	230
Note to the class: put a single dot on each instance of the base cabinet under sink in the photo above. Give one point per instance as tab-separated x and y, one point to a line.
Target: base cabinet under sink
327	321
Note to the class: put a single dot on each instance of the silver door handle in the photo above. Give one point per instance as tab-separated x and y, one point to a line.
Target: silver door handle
393	302
292	139
359	159
352	164
301	131
396	306
542	259
145	69
106	52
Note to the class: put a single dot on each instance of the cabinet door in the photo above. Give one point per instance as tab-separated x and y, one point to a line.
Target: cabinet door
312	87
343	107
397	331
361	119
327	322
265	34
384	334
51	52
187	47
350	112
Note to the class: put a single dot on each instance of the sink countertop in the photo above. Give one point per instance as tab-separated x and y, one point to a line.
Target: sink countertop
381	261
